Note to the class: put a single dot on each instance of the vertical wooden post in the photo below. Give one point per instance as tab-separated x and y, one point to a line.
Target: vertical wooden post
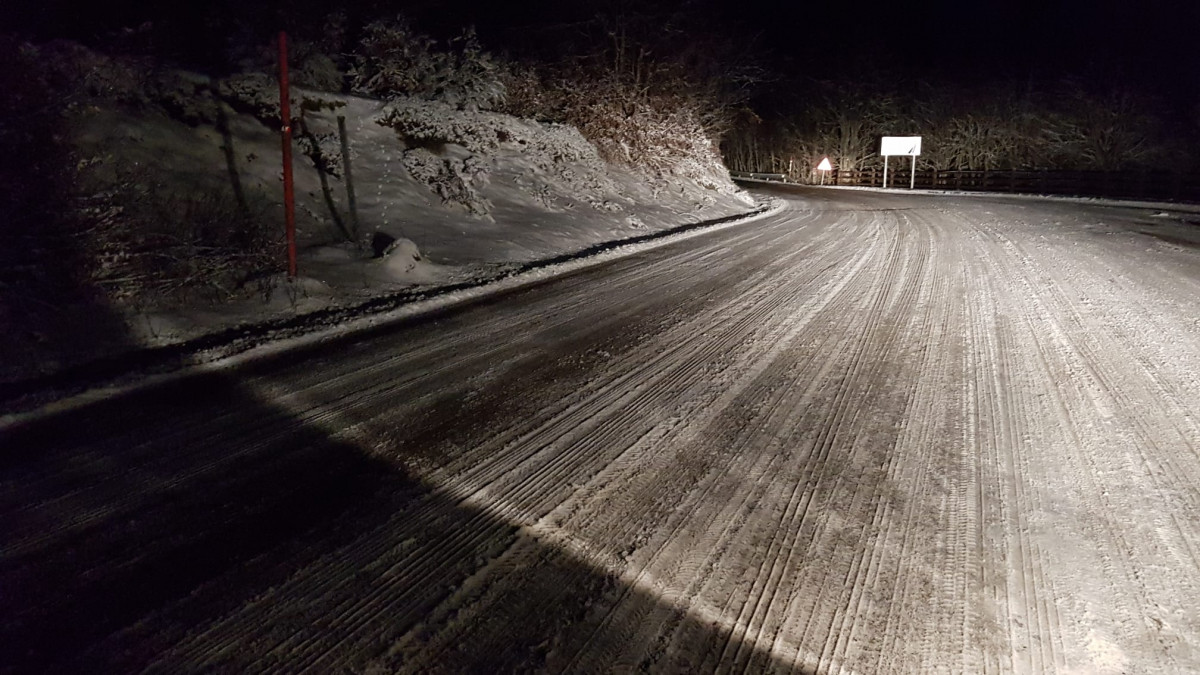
885	164
350	200
912	179
289	196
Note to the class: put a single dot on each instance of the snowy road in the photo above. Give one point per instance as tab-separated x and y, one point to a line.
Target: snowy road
875	433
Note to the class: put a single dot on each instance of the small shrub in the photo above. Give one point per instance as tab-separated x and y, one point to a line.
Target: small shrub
554	148
73	69
428	124
394	61
256	94
184	96
314	61
658	130
451	179
153	247
319	72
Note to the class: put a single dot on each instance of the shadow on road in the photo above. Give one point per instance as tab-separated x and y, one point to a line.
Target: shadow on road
50	312
140	531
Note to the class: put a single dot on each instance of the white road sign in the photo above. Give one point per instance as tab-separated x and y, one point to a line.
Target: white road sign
901	145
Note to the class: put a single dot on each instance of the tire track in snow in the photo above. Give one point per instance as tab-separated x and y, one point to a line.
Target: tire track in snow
424	565
841	411
1025	613
881	439
735	304
1091	408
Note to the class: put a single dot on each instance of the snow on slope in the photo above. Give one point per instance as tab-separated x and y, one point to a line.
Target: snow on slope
466	194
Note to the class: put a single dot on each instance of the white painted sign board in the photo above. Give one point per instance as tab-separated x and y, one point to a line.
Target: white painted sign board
900	145
908	146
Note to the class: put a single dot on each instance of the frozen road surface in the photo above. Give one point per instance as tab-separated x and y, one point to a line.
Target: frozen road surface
873	433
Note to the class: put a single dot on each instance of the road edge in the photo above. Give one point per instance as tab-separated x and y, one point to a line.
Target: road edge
232	348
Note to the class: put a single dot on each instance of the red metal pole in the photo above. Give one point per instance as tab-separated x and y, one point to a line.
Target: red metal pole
289	197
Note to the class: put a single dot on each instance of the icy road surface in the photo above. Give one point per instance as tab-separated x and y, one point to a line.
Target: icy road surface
874	433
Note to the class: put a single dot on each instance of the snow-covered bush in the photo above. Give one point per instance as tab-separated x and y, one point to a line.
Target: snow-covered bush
323	148
472	80
532	95
454	180
80	74
319	72
184	96
254	93
72	69
659	135
556	149
433	124
658	132
393	60
315	59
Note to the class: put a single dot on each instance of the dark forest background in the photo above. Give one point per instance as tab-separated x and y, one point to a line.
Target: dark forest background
1059	84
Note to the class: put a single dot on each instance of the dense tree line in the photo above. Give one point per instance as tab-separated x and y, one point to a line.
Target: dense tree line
649	81
1063	124
649	84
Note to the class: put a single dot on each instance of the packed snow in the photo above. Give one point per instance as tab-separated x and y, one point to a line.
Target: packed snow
867	433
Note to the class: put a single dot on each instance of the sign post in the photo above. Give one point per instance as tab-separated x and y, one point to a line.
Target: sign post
901	145
289	197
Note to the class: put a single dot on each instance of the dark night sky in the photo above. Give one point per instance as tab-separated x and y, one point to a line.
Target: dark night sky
1147	42
1139	38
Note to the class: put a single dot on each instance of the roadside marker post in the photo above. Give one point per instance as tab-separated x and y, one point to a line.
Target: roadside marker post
289	196
351	202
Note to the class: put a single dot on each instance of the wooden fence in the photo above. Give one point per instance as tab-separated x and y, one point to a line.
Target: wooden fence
751	175
1143	185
